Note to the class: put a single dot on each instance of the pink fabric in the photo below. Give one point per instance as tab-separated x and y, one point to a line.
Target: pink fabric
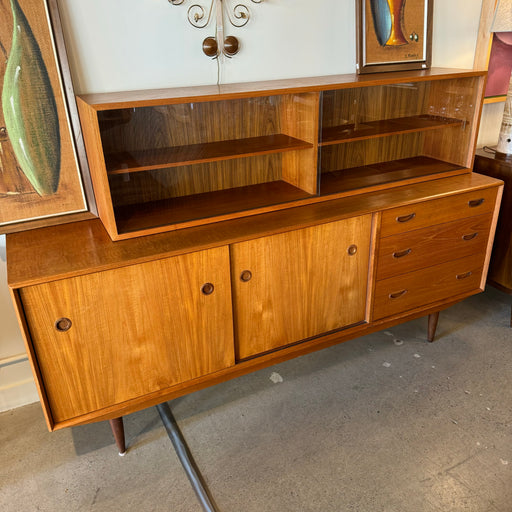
500	65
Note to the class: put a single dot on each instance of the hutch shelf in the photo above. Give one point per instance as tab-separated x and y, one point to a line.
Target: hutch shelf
243	225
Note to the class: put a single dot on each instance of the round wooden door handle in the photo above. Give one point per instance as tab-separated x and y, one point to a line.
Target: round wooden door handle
63	324
207	288
245	276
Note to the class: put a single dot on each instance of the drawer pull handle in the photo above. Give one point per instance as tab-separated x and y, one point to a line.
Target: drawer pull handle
475	202
396	295
207	288
401	254
406	218
352	250
63	324
470	236
463	276
245	276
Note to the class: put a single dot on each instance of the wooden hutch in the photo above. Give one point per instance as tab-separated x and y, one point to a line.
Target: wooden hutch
242	225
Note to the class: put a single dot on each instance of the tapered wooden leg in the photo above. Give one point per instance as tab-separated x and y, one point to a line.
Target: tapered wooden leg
117	427
432	325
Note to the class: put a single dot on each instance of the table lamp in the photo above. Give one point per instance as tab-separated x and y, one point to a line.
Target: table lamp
503	23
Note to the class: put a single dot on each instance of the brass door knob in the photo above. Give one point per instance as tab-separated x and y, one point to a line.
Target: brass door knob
352	250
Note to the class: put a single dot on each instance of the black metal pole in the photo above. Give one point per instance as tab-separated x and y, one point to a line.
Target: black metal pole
180	445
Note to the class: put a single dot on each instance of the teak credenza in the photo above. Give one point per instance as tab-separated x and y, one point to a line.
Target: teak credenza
243	225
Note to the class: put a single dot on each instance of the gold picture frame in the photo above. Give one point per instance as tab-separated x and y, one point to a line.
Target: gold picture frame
393	35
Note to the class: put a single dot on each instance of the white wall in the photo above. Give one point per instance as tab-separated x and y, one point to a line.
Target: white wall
16	384
140	44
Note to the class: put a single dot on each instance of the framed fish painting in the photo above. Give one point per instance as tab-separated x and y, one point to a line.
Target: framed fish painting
393	35
43	170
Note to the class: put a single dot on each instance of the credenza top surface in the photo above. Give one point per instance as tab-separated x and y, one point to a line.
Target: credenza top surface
78	248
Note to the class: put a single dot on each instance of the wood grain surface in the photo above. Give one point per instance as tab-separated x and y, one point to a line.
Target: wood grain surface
135	330
55	253
430	246
128	99
304	283
407	291
396	220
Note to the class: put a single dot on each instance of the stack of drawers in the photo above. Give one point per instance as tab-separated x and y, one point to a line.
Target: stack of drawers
432	250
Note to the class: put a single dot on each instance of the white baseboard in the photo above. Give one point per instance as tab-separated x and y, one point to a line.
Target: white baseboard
17	386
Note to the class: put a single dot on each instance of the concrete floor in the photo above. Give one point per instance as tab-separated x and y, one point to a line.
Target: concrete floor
384	423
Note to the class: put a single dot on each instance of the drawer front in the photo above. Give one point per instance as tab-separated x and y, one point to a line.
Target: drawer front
437	211
421	248
408	291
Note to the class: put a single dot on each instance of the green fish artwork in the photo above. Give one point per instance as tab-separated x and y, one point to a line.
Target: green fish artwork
30	110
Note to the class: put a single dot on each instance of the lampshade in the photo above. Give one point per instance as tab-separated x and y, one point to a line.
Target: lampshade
503	23
502	17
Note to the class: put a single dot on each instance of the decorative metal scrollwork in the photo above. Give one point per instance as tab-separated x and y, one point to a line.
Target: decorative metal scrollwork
200	17
197	15
240	14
